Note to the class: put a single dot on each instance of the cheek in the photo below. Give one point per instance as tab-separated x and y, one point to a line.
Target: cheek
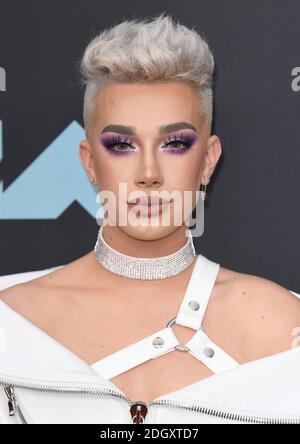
110	173
183	175
195	175
194	171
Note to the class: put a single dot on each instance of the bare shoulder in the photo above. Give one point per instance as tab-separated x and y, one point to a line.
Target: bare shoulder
37	295
265	314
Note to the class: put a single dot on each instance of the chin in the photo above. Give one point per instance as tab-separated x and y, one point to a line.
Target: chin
148	233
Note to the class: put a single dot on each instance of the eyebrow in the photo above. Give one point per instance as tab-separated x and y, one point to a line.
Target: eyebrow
163	129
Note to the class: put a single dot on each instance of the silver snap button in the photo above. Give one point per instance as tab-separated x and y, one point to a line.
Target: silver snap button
158	342
209	352
194	305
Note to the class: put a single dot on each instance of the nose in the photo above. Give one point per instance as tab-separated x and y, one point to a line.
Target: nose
149	173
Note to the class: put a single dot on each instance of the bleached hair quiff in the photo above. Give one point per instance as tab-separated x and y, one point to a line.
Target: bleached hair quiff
141	51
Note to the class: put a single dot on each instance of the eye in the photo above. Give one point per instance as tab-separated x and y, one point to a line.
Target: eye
120	144
177	143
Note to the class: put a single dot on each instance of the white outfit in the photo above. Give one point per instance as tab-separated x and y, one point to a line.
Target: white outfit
52	385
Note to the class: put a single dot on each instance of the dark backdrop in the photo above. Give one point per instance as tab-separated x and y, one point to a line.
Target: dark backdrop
252	212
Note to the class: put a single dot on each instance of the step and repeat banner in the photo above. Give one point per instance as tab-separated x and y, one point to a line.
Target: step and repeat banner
47	204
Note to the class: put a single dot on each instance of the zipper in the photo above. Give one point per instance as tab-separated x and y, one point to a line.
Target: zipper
222	413
138	412
138	409
13	406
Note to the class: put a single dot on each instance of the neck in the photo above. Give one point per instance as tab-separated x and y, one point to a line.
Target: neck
147	248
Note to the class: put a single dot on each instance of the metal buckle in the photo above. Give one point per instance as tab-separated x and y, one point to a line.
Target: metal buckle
180	347
171	322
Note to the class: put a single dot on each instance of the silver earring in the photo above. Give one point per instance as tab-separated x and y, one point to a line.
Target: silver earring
92	180
203	188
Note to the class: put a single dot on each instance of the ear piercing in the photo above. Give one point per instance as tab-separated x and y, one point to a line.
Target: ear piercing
92	180
203	187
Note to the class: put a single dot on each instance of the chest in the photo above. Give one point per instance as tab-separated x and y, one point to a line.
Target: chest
100	330
127	338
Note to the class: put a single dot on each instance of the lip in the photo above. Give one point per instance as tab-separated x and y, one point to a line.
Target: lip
149	209
149	201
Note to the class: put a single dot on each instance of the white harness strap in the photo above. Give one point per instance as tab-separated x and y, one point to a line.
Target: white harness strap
198	292
129	357
206	351
190	314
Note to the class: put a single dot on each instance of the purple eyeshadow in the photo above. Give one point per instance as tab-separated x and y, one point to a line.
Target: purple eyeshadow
187	140
112	143
109	141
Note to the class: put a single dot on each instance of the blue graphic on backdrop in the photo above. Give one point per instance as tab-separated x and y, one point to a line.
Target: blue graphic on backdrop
52	182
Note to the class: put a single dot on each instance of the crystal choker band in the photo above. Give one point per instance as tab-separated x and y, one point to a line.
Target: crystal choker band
144	268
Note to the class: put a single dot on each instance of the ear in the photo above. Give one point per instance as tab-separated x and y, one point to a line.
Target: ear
213	153
86	157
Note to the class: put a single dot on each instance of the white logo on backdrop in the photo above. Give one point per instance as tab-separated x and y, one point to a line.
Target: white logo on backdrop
2	79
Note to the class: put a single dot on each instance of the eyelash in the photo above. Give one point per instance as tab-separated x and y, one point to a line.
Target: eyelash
118	140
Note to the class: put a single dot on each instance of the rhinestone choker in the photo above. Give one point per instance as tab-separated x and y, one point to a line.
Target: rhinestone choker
144	268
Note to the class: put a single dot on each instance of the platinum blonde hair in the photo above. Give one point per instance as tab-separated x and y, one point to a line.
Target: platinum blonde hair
140	51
